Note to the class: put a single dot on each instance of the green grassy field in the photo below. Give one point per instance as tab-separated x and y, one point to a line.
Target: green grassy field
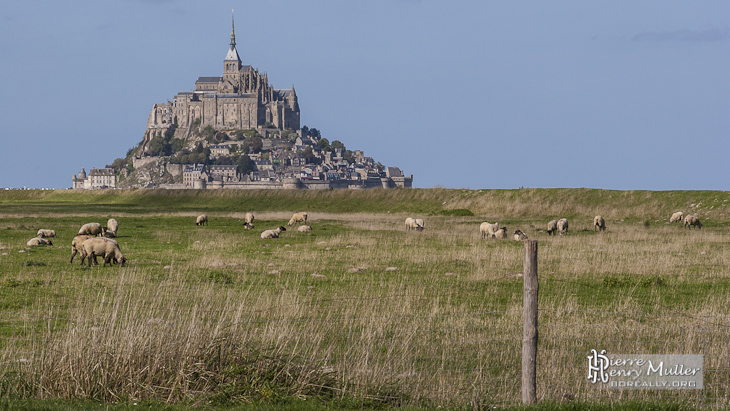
359	311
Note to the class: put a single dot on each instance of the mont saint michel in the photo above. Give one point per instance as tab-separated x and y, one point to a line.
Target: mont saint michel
238	131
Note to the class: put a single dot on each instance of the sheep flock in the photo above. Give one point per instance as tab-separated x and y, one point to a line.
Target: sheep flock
94	240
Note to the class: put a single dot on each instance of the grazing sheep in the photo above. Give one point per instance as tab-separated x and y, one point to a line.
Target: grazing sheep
38	241
272	233
599	223
46	233
420	224
487	230
304	229
411	224
111	228
552	227
76	246
691	221
202	219
248	221
300	218
520	236
90	229
501	233
94	247
563	226
80	240
677	217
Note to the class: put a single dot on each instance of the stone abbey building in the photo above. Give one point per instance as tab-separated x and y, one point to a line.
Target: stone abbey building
241	99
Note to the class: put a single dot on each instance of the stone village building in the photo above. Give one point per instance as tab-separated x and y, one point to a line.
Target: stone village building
97	178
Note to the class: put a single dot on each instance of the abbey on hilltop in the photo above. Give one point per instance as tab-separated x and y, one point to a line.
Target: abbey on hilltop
237	131
241	99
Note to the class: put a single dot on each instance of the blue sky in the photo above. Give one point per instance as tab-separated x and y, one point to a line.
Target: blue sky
461	94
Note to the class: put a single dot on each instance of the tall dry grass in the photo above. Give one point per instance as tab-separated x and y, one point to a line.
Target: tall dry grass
376	313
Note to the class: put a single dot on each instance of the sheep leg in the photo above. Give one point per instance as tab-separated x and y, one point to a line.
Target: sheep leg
73	254
91	258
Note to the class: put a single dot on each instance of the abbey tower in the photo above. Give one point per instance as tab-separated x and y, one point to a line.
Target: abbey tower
241	99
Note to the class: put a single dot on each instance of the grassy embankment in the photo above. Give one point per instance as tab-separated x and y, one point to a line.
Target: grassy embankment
359	311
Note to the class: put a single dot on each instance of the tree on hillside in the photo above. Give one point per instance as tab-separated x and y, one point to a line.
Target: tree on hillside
337	144
245	164
323	144
252	144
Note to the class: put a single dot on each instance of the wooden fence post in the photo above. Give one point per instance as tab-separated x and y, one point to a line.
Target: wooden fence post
529	324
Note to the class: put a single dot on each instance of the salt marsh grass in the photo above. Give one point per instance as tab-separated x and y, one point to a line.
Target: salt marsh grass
359	308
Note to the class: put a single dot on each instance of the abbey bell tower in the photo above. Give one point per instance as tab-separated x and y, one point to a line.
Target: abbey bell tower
231	65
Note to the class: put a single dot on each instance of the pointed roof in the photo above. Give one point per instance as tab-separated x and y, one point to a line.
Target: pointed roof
232	52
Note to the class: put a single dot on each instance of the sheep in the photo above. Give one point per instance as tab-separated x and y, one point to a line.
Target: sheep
78	242
563	226
76	246
304	229
90	229
272	233
46	233
202	219
94	247
487	230
552	227
692	220
419	223
677	217
520	236
38	241
300	218
501	233
248	221
411	224
111	228
599	223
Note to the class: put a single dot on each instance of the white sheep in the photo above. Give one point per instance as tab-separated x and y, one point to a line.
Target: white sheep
272	233
76	246
520	236
563	226
90	229
46	233
420	224
106	247
78	243
487	230
248	221
202	219
501	232
411	224
677	217
300	218
111	228
692	221
304	229
599	223
38	241
552	227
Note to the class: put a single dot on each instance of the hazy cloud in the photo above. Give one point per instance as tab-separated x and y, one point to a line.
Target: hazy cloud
708	35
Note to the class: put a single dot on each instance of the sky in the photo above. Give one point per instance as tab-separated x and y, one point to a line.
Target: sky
478	94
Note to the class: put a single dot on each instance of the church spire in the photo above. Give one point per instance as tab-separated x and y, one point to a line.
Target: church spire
233	31
233	62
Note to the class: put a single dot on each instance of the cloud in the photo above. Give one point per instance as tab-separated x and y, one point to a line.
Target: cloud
709	35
